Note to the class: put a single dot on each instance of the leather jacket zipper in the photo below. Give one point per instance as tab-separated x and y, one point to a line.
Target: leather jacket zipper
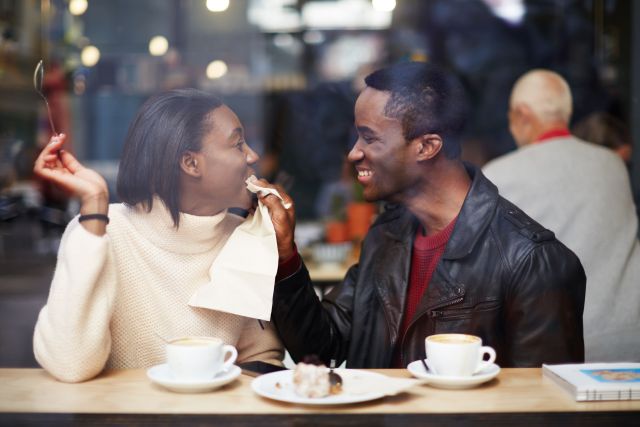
433	314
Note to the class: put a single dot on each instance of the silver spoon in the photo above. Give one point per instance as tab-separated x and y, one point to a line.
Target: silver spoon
335	380
426	368
38	77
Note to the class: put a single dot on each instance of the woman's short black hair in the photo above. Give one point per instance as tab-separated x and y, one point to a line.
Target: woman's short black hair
165	127
425	99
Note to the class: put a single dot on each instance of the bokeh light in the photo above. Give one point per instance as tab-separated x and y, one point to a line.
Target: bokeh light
217	5
216	69
158	45
78	7
90	56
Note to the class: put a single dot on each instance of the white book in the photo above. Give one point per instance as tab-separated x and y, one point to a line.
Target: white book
597	381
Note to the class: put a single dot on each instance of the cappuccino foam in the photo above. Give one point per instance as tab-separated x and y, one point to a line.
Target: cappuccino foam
192	342
454	339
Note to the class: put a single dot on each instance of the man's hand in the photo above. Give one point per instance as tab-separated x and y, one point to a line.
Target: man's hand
284	220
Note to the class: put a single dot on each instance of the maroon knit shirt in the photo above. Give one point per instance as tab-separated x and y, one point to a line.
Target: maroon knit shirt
426	253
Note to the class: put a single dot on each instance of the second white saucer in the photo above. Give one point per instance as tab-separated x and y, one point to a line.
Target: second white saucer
417	370
160	375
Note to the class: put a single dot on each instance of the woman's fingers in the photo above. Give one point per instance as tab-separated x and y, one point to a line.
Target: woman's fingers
60	178
55	143
69	161
63	169
48	157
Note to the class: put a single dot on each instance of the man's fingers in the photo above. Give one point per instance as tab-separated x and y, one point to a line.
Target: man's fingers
286	199
272	202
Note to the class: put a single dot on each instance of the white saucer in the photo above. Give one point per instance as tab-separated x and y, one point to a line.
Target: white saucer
160	375
417	370
279	386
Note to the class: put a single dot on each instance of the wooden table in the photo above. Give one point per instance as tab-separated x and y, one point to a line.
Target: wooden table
329	273
516	396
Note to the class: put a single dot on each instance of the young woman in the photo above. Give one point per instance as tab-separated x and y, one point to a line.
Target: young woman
125	272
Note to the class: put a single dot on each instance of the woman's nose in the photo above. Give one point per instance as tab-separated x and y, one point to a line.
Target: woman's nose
251	156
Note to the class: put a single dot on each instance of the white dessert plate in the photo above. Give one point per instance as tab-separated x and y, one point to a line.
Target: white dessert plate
417	370
161	375
279	386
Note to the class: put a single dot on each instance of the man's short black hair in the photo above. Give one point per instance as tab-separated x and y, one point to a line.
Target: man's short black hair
165	127
425	99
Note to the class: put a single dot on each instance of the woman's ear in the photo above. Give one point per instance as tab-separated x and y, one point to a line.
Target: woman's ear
428	146
189	163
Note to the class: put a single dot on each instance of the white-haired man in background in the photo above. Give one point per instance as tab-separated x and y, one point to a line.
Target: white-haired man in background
581	192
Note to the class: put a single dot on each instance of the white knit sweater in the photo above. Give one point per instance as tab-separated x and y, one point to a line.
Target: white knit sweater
113	297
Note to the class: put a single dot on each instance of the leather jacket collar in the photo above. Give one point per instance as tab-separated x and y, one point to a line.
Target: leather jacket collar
474	217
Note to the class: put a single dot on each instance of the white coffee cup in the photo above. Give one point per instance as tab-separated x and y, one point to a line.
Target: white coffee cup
199	358
458	355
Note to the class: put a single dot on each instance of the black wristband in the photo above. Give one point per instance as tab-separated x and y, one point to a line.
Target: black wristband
98	216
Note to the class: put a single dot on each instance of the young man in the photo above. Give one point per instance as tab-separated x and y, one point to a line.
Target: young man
451	255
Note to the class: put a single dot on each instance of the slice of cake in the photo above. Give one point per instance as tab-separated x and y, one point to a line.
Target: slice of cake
311	380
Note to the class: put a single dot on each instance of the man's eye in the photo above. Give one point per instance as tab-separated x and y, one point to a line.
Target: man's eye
239	144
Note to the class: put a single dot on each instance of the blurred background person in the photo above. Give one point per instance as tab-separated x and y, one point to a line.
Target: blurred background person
608	131
581	192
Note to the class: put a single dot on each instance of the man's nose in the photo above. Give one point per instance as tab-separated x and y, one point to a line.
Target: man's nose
356	153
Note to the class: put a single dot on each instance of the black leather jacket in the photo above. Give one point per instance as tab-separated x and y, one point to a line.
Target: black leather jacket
502	277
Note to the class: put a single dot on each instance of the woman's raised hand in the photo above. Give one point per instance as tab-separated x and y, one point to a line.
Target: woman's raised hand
61	168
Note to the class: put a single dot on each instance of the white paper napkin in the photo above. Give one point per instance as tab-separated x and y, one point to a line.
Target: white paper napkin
255	188
243	274
386	385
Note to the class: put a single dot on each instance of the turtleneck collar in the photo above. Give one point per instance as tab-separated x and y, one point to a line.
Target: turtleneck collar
195	234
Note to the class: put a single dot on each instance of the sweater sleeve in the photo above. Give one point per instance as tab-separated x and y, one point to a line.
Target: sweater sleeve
72	338
259	341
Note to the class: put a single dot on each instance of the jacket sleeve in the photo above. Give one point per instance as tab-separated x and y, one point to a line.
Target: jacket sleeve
308	326
72	339
544	308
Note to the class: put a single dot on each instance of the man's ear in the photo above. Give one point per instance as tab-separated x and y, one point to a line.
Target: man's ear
427	146
522	112
189	163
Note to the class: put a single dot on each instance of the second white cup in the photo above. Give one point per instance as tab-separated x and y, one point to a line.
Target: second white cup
199	358
458	355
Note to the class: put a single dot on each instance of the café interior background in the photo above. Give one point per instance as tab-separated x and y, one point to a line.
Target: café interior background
291	70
